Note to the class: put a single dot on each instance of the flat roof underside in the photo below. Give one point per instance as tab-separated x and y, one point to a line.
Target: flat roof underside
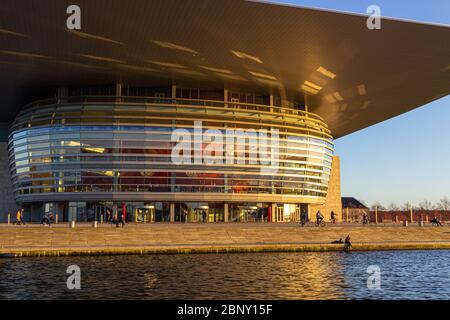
358	76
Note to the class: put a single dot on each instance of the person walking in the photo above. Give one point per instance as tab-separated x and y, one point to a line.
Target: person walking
365	218
333	217
21	216
303	218
18	217
115	220
50	219
118	219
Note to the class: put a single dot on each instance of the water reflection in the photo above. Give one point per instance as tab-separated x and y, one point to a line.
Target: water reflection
405	275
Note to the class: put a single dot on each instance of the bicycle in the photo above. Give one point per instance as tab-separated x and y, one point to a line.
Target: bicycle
311	223
320	223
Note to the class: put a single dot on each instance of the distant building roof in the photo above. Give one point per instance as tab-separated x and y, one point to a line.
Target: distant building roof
350	202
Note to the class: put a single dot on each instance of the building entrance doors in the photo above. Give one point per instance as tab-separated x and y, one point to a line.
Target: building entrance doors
297	213
144	214
100	214
279	214
72	216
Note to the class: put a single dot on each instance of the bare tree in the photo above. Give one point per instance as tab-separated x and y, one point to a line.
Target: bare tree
392	207
443	204
407	206
377	205
425	205
363	203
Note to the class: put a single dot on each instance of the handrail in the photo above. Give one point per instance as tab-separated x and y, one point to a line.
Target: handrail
165	100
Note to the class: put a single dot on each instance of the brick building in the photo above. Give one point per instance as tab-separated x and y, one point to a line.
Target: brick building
352	209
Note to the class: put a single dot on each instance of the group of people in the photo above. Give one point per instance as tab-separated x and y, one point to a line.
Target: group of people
48	219
365	219
319	218
347	243
19	217
333	218
116	219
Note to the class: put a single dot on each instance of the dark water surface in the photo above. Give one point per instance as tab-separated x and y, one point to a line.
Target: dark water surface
334	275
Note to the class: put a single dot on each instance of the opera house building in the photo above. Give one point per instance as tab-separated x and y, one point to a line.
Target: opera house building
196	111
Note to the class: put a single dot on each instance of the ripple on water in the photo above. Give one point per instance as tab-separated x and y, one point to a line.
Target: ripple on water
333	275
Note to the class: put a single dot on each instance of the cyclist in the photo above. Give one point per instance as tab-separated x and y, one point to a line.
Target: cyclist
319	218
435	221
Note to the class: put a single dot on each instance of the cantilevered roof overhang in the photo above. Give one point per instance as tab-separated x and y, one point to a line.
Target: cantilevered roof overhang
354	77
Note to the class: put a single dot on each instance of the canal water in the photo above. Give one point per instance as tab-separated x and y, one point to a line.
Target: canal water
333	275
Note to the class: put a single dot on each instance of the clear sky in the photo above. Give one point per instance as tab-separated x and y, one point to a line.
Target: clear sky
406	158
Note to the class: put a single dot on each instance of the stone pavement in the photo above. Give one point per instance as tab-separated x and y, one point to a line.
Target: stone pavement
35	240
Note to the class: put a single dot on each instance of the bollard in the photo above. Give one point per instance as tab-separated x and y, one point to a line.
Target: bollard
9	218
405	223
94	224
72	224
101	218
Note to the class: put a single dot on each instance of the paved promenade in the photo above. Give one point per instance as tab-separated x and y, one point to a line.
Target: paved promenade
35	240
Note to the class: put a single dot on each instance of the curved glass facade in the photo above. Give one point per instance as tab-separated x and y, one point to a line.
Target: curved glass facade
121	148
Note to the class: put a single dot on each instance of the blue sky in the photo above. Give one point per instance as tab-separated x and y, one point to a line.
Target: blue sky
406	158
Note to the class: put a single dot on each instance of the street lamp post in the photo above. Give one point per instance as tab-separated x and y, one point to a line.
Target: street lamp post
376	214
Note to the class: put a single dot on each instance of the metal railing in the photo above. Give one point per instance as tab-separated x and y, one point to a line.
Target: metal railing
171	101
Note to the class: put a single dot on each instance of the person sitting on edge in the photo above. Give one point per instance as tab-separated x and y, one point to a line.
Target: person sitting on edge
319	217
347	243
